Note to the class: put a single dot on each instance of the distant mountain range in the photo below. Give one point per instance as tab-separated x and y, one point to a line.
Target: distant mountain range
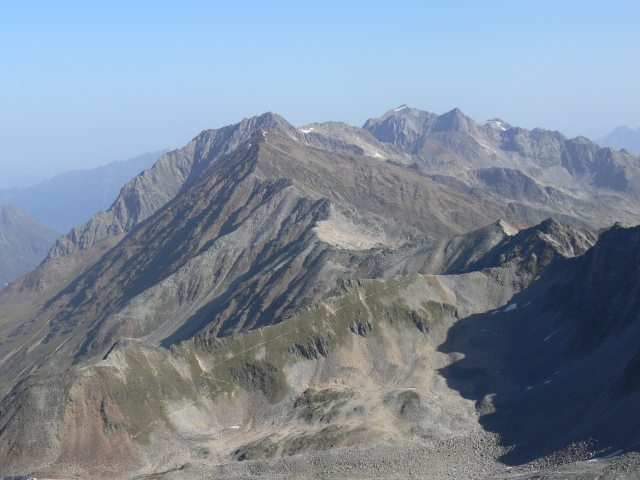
424	295
60	203
24	242
537	172
72	198
622	137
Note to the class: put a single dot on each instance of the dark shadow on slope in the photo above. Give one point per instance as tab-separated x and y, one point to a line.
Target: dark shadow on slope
208	313
247	288
528	389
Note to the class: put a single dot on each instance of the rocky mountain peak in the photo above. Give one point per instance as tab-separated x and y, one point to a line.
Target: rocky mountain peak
454	121
172	173
400	126
271	291
533	249
583	141
405	126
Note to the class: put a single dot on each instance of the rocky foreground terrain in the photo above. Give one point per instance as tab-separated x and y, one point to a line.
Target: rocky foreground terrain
425	296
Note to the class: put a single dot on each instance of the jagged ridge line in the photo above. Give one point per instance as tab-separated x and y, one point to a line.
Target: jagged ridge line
331	312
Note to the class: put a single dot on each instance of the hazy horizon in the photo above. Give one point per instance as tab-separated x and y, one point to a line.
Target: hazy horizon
85	85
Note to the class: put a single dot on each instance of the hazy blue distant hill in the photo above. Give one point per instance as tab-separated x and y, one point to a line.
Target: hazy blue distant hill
71	198
622	137
23	243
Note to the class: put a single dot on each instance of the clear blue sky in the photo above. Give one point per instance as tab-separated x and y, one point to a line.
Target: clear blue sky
86	83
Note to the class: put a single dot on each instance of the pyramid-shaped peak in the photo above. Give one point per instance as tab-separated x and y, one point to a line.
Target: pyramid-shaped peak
454	121
403	111
454	113
268	120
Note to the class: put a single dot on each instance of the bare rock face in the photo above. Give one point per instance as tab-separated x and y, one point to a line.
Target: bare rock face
340	137
401	126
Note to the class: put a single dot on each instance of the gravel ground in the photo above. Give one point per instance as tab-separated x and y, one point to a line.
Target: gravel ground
395	458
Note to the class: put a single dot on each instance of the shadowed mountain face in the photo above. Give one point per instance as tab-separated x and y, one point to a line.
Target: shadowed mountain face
271	294
564	360
23	243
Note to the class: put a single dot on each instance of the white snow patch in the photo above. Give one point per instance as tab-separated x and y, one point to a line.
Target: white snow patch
306	130
235	427
507	228
617	452
492	122
550	336
410	388
378	155
513	306
400	108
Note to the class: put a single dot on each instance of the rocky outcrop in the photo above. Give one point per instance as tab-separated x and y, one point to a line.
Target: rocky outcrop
401	126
